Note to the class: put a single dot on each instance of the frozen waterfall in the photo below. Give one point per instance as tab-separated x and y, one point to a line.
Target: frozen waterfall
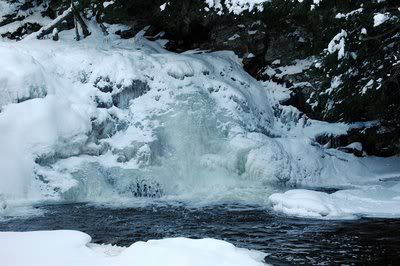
117	119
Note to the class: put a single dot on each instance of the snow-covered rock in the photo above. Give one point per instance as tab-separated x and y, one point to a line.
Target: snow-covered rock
372	201
380	18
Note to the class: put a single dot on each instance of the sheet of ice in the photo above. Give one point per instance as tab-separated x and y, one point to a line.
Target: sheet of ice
371	201
74	248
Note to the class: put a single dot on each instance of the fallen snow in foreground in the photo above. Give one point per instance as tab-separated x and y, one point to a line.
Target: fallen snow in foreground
74	248
374	201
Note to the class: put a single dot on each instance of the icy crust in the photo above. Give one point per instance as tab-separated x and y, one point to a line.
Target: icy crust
74	248
127	119
373	201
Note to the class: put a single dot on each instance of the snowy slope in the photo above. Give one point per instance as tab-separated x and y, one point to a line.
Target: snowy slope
106	118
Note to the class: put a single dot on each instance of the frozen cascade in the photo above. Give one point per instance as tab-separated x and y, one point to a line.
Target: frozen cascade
121	120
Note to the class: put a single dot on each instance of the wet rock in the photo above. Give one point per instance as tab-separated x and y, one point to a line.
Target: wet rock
288	45
145	189
3	203
104	84
136	89
374	140
96	150
34	92
144	154
127	34
102	103
354	148
106	128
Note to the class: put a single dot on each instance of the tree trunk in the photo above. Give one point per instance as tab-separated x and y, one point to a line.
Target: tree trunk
78	20
77	36
83	25
50	27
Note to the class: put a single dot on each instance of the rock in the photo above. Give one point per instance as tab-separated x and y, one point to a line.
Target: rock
55	35
127	34
137	88
374	140
354	148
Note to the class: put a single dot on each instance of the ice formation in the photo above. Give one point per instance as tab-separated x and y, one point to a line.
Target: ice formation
106	118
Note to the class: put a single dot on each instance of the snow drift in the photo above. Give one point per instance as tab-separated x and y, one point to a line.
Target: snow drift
375	201
74	248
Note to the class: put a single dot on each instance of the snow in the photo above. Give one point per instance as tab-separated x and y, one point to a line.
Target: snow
65	247
51	24
234	37
163	6
380	18
31	16
16	84
367	86
336	82
296	67
38	127
239	6
236	6
373	201
107	3
337	44
346	16
355	145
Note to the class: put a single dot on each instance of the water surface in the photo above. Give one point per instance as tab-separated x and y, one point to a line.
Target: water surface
287	240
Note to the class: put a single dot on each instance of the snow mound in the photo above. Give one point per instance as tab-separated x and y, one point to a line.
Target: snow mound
74	248
374	201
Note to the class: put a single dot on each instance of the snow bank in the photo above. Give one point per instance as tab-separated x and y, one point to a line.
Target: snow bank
373	201
74	248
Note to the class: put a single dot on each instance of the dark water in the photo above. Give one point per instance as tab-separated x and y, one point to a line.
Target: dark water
288	240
